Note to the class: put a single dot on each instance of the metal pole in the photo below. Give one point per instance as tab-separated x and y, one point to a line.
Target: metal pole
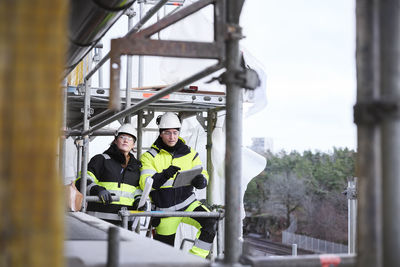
162	214
97	56
85	150
139	140
100	70
143	103
390	129
124	221
113	247
95	133
130	13
233	159
158	18
294	249
210	169
79	145
352	214
63	139
141	58
368	171
219	238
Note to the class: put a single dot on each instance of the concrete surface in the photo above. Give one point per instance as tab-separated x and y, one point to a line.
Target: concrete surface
86	246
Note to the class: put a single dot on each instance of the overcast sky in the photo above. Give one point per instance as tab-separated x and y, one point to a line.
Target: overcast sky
307	48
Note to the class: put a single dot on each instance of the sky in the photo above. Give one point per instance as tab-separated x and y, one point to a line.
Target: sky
307	48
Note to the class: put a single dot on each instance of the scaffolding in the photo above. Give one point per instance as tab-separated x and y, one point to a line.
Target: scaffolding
376	115
101	106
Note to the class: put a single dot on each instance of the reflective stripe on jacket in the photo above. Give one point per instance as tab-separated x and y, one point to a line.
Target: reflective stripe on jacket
105	170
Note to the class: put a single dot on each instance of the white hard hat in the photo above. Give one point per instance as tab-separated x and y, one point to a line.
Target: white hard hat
126	129
168	121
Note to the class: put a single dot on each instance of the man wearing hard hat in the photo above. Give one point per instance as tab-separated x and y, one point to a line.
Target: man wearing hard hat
116	172
168	155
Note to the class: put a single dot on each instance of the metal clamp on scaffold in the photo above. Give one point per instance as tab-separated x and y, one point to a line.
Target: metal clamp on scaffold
376	111
233	32
245	78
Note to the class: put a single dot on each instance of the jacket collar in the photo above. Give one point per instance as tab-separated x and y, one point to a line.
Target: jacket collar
117	155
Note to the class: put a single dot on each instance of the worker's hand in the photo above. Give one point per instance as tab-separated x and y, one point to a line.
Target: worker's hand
170	171
135	205
161	177
199	181
105	196
155	221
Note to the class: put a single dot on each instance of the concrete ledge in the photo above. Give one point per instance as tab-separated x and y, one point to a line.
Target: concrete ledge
86	245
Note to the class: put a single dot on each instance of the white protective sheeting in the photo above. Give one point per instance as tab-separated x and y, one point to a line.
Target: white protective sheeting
252	165
257	97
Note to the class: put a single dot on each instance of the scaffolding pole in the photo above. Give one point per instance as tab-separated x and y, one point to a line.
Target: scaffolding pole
130	13
139	141
389	33
85	149
211	115
369	236
233	152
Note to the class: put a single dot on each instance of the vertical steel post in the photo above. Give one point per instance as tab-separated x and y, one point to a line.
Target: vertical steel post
125	222
233	154
139	143
210	169
141	59
78	144
294	249
369	224
113	247
390	129
352	214
219	238
130	13
85	149
100	71
63	140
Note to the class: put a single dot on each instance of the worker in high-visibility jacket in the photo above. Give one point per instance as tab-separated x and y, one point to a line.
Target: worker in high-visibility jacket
116	172
167	156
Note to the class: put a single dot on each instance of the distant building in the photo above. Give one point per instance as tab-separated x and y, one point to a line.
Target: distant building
261	144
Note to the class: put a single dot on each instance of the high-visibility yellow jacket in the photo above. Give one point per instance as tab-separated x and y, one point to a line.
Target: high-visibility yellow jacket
156	160
106	172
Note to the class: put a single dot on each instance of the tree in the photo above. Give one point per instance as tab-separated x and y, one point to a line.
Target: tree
307	186
287	194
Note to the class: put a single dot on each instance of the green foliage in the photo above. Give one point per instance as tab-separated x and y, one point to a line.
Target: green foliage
295	185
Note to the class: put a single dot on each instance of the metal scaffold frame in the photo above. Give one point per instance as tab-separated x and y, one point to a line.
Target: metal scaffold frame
227	34
376	114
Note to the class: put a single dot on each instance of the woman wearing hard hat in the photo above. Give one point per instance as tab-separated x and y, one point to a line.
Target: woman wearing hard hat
116	172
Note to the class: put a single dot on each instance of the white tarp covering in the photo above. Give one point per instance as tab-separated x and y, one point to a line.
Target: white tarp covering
252	165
